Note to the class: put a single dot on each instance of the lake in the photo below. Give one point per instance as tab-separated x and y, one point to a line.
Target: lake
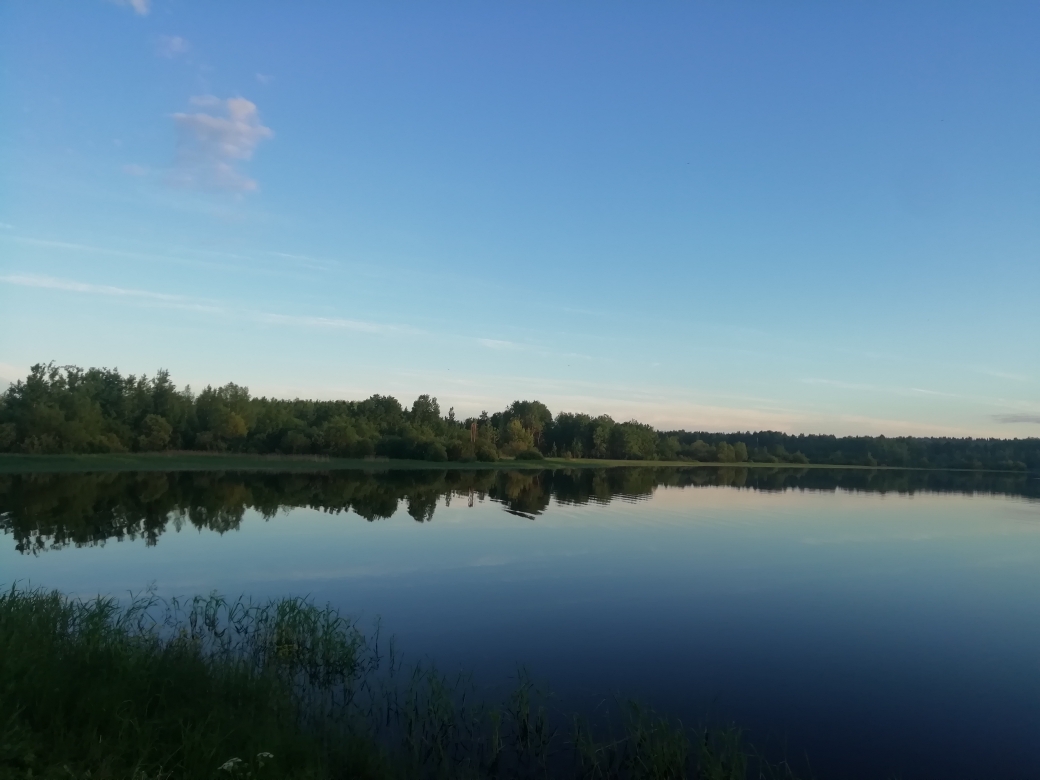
882	623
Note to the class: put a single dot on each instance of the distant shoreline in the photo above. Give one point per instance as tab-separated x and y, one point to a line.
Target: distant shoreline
196	461
66	410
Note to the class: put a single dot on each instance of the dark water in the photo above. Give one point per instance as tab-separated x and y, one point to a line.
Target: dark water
883	623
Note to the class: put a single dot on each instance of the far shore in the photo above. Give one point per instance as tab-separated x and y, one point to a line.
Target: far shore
206	461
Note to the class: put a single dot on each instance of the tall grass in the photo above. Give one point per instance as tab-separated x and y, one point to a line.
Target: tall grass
212	688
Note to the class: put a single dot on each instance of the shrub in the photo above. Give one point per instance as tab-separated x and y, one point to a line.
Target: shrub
485	451
156	433
531	454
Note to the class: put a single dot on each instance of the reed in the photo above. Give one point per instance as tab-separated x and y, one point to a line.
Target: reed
212	688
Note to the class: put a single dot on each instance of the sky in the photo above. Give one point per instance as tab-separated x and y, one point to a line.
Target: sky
808	217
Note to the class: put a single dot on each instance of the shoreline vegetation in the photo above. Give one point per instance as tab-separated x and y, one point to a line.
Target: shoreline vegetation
59	412
207	688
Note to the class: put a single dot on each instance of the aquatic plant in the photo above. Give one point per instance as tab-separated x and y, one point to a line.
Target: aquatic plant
208	687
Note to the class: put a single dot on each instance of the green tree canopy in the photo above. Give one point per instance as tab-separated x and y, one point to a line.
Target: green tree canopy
66	409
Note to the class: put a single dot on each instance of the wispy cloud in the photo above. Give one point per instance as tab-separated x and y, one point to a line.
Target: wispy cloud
306	261
929	392
264	79
74	247
210	145
6	226
167	300
162	300
499	344
135	170
1000	374
1017	418
333	322
140	7
529	349
171	46
258	262
876	388
1005	403
836	383
211	307
52	283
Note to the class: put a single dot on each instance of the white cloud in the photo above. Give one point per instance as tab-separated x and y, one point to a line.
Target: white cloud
135	170
210	144
263	78
141	7
170	46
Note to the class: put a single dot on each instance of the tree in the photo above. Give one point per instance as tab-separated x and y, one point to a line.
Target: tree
517	437
633	441
724	453
668	448
8	435
340	437
702	451
601	429
155	433
425	410
534	416
66	409
295	442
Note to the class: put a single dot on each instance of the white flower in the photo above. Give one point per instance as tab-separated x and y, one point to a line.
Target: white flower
231	764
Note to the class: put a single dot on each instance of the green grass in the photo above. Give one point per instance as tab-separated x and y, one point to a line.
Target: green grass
215	689
195	461
89	689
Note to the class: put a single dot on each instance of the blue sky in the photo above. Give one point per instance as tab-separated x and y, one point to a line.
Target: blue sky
807	217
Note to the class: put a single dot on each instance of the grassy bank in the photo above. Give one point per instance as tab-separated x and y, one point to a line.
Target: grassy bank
195	461
215	689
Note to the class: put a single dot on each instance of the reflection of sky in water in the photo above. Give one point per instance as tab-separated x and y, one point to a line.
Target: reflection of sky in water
900	630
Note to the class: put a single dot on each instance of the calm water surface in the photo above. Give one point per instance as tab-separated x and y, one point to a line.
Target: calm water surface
884	624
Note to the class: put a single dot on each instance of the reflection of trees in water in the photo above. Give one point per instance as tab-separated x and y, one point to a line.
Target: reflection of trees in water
49	511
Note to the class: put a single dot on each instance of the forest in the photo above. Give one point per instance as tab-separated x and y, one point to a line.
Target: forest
67	410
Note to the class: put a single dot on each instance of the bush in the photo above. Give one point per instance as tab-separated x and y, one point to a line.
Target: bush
458	450
485	451
156	433
529	455
8	434
434	450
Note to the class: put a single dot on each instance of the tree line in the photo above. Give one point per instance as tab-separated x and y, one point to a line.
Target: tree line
66	409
